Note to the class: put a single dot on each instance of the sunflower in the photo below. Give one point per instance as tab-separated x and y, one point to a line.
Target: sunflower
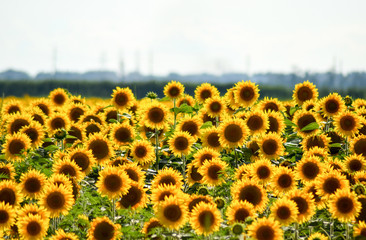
215	106
250	191
168	176
205	218
288	105
193	176
7	216
205	91
355	163
113	182
261	171
163	191
150	225
134	172
305	91
362	215
344	206
102	228
210	138
317	236
302	119
134	198
100	147
62	235
309	105
320	141
122	98
271	146
239	211
16	145
191	125
111	115
232	133
212	171
360	229
243	172
360	177
265	229
7	171
143	152
83	158
253	148
57	200
60	180
284	211
32	183
33	209
33	227
271	105
181	143
283	180
37	115
311	188
186	99
75	111
359	103
358	145
12	107
202	114
58	97
317	152
336	164
246	93
35	133
305	204
230	100
276	122
77	134
89	116
347	123
122	133
257	122
69	168
203	155
92	127
172	213
17	121
154	115
329	182
120	161
173	90
309	168
57	121
332	105
77	100
42	104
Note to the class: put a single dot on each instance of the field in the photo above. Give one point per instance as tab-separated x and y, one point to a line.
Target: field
211	165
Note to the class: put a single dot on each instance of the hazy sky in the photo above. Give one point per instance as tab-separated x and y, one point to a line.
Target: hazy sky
184	36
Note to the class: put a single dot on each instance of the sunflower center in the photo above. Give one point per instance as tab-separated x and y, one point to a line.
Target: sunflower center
363	232
55	200
164	194
76	113
121	99
81	160
103	231
362	214
315	141
13	109
33	228
233	133
213	140
174	91
263	172
310	170
283	212
195	175
113	183
59	99
255	123
355	165
331	184
167	180
215	107
196	201
241	214
17	125
206	219
91	129
213	172
132	174
5	171
205	94
253	146
304	93
57	123
44	108
32	185
75	132
132	198
123	135
190	127
265	233
32	134
16	146
38	118
4	216
252	194
90	118
304	121
360	147
284	181
347	123
247	93
68	170
7	195
173	213
270	146
205	157
156	115
153	225
332	106
111	115
301	204
181	143
140	151
345	205
273	124
99	149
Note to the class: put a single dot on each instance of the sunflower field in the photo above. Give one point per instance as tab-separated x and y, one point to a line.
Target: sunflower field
211	166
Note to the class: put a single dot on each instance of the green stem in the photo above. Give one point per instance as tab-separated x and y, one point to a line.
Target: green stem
184	171
236	158
157	148
348	237
331	228
297	231
113	210
175	115
217	121
346	146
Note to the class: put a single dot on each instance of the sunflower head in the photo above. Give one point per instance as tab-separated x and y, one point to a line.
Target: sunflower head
332	105
212	171
172	213
59	97
122	98
181	143
257	122
246	93
355	163
12	107
173	90
271	146
193	176
305	204
150	225
205	218
57	200
309	168
142	152
250	191
16	145
15	122
344	205
154	115
239	211
302	119
32	183
210	138
168	176
265	229
233	133
305	91
134	198
347	123
100	147
113	182
205	91
102	228
215	106
33	227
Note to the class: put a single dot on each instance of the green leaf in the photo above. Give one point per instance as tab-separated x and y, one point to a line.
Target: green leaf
288	122
293	110
71	137
51	148
206	125
310	126
335	145
113	120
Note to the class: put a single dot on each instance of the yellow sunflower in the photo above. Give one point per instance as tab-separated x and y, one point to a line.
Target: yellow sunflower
173	90
122	98
11	107
257	122
69	168
60	234
57	200
163	191
77	133
43	104
91	128
215	106
17	121
329	182
154	115
32	227
90	115
302	119
16	145
243	172
270	105
317	152
318	236
358	145
305	204
265	229
38	116
355	163
7	216
190	124
308	168
210	138
134	172
360	229
33	209
276	122
233	133
344	206
203	155
320	141
284	211
271	146
113	182
283	180
205	91
58	97
60	179
193	176
32	183
311	188
230	100
332	105
150	225
309	105
143	152
134	198
362	216
75	111
347	123
35	133
102	228
172	213
168	176
239	211
250	191
254	148
57	121
246	93
305	91
261	171
186	99
122	133
213	172
83	158
205	218
100	147
181	143
7	170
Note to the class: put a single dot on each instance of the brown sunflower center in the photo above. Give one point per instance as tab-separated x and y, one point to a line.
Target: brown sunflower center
271	106
4	216
57	123
156	115
33	228
164	194
315	141
76	113
213	139
153	225
68	170
310	170
132	198
123	135
140	151
331	106
5	171
345	205
174	91
113	183
254	147
195	175
44	108
99	149
17	124
111	115
301	203
104	231
91	129
304	93
55	200
90	118
247	93
265	233
312	190
205	94
206	219
32	133
7	195
284	181
273	124
347	123
16	146
196	201
13	109
331	184
362	215
215	107
59	99
213	172
32	185
263	172
360	147
252	194
304	121
181	143
167	180
172	212
190	127
355	165
75	132
81	159
270	147
205	157
283	212
233	133
132	174
38	118
241	214
121	99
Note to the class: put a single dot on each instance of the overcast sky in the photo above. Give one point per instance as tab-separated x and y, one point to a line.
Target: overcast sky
183	36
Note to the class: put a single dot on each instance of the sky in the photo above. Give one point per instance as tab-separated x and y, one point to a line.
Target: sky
183	36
